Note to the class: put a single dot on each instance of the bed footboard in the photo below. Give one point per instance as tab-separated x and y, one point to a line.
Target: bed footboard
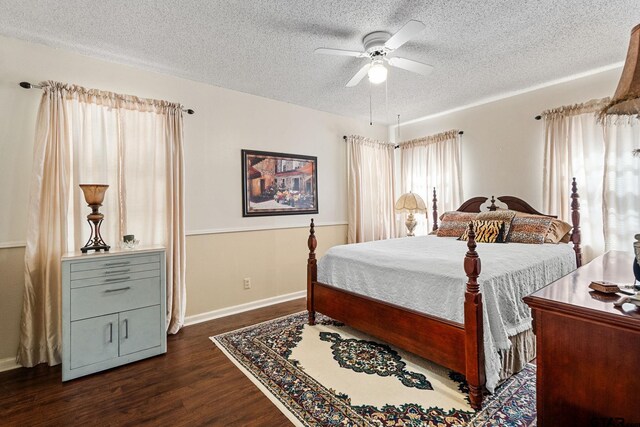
433	338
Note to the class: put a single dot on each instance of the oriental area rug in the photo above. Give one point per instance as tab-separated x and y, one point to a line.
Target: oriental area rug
331	375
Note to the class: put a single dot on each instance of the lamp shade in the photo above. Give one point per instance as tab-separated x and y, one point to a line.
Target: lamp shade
626	100
94	193
410	202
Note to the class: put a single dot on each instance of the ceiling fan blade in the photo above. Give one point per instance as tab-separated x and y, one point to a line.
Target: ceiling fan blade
359	75
410	65
406	33
341	52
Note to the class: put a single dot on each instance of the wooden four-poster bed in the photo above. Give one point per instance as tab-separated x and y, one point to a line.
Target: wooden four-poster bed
431	337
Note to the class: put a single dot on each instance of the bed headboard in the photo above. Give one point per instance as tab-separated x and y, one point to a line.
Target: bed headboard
517	204
512	202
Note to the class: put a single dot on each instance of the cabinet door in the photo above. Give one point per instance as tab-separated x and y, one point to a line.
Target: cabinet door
94	340
140	329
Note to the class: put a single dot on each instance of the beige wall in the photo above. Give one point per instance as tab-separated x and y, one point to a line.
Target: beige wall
502	145
274	260
222	246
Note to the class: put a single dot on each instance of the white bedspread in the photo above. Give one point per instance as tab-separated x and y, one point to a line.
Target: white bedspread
426	274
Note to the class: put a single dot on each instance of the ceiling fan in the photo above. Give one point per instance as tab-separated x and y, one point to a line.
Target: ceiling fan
377	46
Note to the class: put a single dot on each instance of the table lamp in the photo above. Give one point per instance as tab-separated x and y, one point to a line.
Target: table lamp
94	196
410	202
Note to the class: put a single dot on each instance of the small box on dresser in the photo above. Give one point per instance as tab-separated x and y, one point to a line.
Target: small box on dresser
113	309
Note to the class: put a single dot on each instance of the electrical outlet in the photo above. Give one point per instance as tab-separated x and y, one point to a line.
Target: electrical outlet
247	282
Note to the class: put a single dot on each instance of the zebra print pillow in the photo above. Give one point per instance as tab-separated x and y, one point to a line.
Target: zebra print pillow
487	231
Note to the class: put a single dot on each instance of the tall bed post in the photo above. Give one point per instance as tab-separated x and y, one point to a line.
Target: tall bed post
473	326
312	272
435	211
576	236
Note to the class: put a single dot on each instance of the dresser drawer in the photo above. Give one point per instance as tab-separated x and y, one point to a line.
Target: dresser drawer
92	301
113	262
106	276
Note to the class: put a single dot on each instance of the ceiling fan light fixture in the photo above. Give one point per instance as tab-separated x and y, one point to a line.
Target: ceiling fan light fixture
377	72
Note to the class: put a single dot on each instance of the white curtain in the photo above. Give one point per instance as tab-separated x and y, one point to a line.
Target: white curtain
425	163
93	137
621	184
599	157
370	168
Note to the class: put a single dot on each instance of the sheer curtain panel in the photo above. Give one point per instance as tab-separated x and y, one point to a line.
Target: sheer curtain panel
432	161
621	183
599	156
370	168
88	136
574	147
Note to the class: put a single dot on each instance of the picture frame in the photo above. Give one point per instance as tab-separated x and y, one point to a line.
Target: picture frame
278	184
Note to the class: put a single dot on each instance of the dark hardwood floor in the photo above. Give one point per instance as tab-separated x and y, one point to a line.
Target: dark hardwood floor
193	384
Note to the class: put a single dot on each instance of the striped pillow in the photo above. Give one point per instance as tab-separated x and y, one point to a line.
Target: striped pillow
529	229
487	231
454	223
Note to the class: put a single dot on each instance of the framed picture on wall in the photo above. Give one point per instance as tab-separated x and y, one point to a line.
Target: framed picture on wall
278	184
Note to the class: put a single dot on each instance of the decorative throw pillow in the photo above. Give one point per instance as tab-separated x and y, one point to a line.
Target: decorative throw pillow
532	229
504	215
557	231
566	238
487	231
454	223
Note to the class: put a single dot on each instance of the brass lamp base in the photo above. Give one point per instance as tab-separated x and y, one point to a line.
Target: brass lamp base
94	195
95	242
411	225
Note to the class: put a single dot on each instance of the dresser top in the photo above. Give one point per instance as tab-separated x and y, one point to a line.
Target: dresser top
571	293
112	252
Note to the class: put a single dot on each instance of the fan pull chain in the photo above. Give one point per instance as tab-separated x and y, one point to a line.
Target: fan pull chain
386	97
370	107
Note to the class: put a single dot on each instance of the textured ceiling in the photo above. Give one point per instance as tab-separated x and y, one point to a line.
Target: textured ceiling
479	49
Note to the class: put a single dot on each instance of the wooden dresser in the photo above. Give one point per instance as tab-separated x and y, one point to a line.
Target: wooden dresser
113	309
588	351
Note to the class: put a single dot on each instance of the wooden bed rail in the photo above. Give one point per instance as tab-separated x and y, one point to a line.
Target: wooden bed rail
473	324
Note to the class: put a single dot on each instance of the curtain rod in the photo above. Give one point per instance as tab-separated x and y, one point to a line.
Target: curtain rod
537	117
28	85
397	146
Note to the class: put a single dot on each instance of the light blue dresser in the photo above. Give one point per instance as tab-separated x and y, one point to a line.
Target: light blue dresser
113	309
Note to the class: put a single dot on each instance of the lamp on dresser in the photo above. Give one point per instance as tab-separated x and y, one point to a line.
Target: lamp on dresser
410	202
94	196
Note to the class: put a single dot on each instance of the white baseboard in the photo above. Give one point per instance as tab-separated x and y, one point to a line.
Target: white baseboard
8	364
228	311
